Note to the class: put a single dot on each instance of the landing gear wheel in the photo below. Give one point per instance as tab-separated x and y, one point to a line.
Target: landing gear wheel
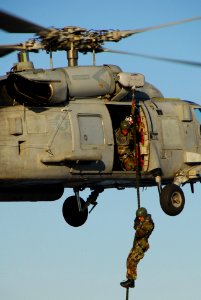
71	212
172	199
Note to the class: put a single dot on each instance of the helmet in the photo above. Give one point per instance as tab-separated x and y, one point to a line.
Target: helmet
124	125
141	212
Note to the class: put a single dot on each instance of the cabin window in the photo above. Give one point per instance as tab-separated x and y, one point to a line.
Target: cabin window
91	129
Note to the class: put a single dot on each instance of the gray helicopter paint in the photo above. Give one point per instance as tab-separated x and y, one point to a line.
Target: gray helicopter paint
38	142
72	82
51	144
176	133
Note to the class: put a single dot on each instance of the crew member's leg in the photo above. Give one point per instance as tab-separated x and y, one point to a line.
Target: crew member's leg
135	255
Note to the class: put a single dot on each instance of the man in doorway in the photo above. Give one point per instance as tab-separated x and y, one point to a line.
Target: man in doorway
125	146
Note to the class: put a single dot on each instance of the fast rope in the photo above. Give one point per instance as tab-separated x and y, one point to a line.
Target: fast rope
135	122
127	293
135	115
135	118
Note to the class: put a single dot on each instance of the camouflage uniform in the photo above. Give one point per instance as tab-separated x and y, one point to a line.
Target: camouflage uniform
140	245
125	149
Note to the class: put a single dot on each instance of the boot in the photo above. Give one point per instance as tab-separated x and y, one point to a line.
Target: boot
129	283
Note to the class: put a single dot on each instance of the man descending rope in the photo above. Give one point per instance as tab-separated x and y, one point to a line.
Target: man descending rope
143	225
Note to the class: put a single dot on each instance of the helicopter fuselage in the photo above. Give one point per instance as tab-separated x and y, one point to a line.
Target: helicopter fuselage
74	145
46	148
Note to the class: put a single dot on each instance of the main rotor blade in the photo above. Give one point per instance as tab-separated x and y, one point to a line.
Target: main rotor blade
31	46
13	24
166	59
6	51
162	25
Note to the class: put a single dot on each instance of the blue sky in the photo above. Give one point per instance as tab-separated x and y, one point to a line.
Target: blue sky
42	257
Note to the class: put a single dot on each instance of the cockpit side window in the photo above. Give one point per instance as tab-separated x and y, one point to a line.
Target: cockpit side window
197	112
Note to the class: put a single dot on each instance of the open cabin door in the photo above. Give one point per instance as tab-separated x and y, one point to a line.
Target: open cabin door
120	111
92	138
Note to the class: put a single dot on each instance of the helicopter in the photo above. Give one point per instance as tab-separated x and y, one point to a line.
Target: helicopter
59	125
